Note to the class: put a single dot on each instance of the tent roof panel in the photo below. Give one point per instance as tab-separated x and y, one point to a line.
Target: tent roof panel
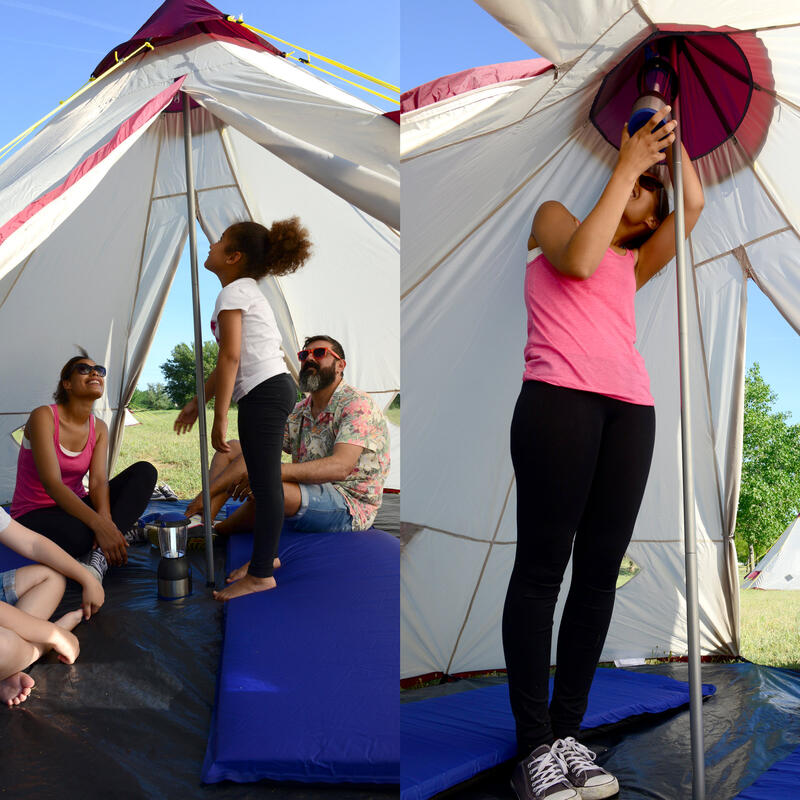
175	20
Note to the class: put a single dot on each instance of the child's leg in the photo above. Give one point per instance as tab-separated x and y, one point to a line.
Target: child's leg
262	419
39	590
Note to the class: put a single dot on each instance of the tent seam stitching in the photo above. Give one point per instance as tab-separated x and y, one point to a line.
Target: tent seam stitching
480	576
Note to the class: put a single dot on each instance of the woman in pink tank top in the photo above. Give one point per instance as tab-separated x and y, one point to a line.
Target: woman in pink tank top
62	444
581	443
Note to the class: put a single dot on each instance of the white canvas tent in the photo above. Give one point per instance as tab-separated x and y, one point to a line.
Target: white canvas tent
474	167
780	567
95	206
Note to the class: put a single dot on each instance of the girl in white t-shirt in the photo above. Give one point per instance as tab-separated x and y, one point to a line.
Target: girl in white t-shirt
251	371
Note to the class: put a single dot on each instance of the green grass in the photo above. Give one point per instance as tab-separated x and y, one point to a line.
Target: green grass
177	458
770	626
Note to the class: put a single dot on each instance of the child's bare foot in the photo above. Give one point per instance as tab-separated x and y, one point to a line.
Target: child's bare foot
15	690
246	585
70	619
238	573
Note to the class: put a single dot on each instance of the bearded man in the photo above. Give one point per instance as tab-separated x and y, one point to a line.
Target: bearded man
339	442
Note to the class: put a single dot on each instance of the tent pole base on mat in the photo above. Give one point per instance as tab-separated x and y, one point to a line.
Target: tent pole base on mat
198	339
689	533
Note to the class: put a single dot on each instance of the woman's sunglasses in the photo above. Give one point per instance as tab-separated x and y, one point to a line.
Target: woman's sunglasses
318	353
85	369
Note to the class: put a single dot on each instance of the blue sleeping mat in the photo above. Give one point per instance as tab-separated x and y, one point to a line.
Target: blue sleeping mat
780	782
307	684
450	739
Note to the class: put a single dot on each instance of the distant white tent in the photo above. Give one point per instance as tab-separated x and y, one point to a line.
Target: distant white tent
780	567
97	201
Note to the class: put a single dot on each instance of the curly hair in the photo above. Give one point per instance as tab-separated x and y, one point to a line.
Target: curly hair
280	250
60	394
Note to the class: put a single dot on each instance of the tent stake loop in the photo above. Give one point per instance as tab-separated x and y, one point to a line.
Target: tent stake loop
198	339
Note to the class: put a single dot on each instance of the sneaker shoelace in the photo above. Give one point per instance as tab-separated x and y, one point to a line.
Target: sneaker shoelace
577	757
545	771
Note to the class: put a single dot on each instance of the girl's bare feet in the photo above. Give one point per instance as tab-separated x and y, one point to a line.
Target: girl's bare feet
240	572
15	690
70	619
248	584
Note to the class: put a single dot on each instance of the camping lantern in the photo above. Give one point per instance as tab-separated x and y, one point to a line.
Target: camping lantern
658	86
174	573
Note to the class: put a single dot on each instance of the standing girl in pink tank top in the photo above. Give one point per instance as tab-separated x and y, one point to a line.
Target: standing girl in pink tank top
581	444
62	443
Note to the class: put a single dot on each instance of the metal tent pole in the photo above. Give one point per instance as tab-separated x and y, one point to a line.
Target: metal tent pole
198	339
689	531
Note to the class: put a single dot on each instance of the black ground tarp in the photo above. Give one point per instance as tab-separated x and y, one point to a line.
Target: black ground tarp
130	719
751	722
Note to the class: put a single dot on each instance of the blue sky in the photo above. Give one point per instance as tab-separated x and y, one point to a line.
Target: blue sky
450	35
57	44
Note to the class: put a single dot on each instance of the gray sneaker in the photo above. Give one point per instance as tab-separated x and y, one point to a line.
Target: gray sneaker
593	782
96	563
136	535
541	777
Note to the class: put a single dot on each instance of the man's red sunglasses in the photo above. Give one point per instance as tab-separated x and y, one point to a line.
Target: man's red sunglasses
318	353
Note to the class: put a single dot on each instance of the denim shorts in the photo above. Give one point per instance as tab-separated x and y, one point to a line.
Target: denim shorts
8	587
322	508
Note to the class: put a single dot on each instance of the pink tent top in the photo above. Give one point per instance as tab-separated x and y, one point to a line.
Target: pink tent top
725	80
174	20
469	79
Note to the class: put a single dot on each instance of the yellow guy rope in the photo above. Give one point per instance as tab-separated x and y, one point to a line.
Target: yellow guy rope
80	91
328	61
340	78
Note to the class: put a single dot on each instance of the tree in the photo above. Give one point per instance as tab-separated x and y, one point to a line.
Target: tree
179	370
770	492
154	397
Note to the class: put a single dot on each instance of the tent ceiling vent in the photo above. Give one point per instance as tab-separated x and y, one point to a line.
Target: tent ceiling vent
726	88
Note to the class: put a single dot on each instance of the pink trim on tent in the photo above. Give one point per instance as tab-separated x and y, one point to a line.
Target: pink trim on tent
175	20
125	130
469	79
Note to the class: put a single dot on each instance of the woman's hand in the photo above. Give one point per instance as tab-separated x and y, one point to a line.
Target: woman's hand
219	434
187	417
647	146
93	597
110	541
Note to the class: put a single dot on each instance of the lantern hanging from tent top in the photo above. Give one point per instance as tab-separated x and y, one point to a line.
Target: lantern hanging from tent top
726	87
658	86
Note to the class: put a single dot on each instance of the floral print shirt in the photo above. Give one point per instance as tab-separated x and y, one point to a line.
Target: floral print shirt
351	417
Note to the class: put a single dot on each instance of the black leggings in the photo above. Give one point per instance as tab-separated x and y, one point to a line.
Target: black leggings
262	419
129	492
581	462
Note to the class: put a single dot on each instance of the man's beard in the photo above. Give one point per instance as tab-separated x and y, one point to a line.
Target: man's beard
312	380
